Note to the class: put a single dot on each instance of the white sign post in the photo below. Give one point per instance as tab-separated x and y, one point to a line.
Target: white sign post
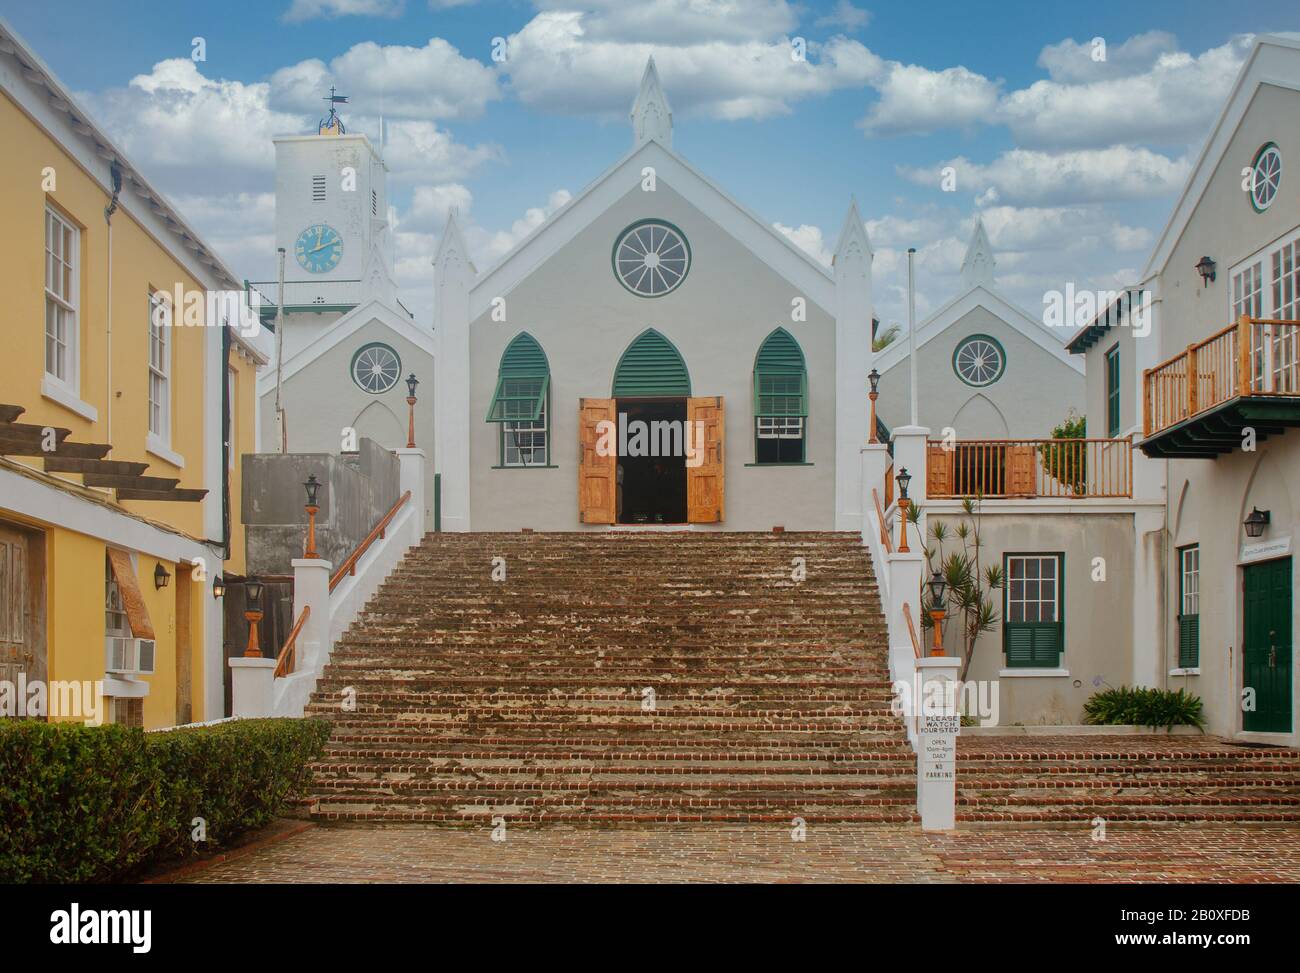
937	725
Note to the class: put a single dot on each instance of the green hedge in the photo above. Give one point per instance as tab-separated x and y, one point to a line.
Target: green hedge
97	803
1144	707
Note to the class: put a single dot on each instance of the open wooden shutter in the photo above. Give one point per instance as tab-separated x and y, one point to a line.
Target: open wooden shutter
938	471
1021	481
137	615
704	482
597	474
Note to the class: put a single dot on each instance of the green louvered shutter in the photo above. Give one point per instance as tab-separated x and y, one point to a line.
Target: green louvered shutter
1189	641
522	382
780	377
651	366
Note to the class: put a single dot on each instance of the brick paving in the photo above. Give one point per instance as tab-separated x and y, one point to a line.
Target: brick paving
829	853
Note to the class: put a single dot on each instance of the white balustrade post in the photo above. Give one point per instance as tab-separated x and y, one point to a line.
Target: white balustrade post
937	724
875	460
910	453
311	589
252	682
411	476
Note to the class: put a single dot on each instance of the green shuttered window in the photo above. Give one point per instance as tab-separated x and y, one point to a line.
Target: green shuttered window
1112	392
1189	606
519	403
1033	627
651	367
780	400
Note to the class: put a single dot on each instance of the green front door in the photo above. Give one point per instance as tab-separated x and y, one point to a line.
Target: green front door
1267	645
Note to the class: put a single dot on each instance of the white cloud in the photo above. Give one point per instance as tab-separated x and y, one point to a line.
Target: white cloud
681	23
1174	101
185	129
239	226
420	151
809	239
556	64
844	15
916	100
301	10
1026	176
431	82
1072	62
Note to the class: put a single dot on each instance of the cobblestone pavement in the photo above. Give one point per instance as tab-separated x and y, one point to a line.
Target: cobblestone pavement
831	853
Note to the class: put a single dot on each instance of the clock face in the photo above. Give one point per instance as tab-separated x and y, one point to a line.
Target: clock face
319	248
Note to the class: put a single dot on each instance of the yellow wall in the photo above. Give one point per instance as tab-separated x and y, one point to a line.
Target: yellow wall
75	582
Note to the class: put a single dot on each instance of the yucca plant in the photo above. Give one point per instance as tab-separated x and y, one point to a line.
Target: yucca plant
1141	706
970	584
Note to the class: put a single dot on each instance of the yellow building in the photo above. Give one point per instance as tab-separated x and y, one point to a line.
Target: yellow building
124	362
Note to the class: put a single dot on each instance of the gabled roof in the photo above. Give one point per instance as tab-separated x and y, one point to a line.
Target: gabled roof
762	239
1274	60
342	329
961	305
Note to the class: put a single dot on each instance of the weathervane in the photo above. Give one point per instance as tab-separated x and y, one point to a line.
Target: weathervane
332	124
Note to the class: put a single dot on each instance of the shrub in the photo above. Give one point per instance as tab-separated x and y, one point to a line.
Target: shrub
96	803
1144	707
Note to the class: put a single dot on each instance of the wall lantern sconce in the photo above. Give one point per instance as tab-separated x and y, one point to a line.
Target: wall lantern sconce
160	577
218	587
1256	521
1205	267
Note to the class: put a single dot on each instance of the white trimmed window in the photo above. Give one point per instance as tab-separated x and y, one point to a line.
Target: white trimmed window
159	367
523	442
1267	285
62	286
780	427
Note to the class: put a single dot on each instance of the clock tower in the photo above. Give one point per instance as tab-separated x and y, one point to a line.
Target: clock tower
331	218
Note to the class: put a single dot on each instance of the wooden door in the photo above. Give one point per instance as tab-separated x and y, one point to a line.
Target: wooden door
1266	645
706	427
597	473
938	471
17	636
1021	467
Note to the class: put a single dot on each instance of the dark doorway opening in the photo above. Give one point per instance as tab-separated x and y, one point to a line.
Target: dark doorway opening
652	461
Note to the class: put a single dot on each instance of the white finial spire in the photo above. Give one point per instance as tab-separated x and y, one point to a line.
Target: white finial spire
853	241
651	116
977	269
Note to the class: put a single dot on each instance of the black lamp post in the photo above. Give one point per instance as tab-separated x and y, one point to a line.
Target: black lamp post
253	615
1256	521
312	486
903	478
1205	267
411	383
938	585
874	378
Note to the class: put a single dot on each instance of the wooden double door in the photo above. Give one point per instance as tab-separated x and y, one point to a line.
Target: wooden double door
22	605
598	467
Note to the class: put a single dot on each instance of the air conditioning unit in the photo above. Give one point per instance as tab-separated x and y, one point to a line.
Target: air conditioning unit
129	655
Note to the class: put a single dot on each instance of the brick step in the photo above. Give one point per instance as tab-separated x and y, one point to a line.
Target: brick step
1084	813
792	804
367	742
463	768
429	705
1175	778
899	790
486	817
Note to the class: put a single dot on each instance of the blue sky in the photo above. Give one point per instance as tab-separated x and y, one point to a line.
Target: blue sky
1074	163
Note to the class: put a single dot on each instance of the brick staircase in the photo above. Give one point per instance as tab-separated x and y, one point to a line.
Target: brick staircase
1150	779
528	698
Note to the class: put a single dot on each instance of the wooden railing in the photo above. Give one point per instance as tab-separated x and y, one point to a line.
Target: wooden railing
350	565
884	528
1254	357
1050	468
911	628
287	659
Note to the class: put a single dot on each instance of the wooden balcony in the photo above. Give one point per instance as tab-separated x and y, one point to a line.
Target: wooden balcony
1061	469
1200	403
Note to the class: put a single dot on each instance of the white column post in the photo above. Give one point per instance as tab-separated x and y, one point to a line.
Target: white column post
875	460
410	474
937	724
853	360
453	276
311	589
910	453
905	571
252	682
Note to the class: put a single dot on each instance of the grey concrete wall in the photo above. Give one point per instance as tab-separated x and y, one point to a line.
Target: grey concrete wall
1098	614
584	319
356	491
1034	394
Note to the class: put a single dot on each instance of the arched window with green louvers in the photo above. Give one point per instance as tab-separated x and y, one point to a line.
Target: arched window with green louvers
651	367
519	404
780	401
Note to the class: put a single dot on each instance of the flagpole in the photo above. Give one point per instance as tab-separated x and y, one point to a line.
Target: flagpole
911	331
